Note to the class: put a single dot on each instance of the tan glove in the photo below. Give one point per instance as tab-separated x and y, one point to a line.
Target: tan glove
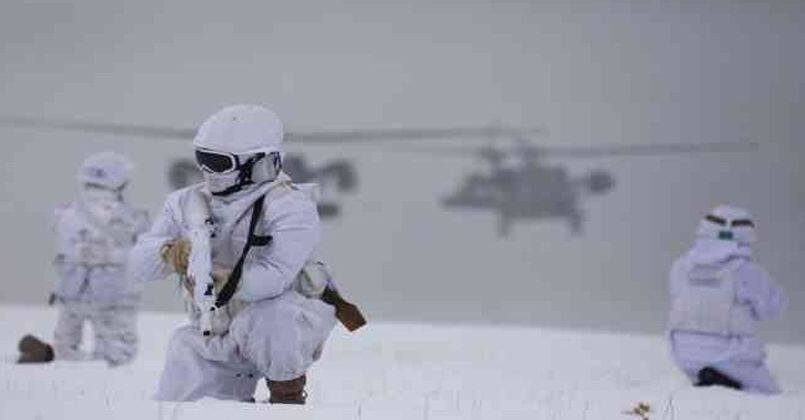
220	275
176	253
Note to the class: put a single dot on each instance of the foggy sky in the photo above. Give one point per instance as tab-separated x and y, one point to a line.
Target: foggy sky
592	72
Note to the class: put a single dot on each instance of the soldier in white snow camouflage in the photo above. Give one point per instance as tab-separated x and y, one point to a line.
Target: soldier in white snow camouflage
719	296
263	232
94	236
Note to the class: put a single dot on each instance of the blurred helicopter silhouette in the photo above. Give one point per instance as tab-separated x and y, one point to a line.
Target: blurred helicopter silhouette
518	186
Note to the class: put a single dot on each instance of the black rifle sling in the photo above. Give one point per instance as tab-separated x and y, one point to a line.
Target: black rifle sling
252	240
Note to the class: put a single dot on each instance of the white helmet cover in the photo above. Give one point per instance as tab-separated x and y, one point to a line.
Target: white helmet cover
728	223
106	169
252	136
240	130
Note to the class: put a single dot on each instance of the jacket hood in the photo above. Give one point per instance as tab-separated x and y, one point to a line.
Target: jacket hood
708	251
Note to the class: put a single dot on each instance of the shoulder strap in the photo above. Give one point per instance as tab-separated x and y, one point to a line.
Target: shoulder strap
252	240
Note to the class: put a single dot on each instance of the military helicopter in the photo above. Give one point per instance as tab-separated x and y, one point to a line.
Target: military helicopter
337	174
518	186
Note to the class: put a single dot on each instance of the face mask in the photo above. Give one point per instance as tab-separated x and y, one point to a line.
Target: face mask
218	183
102	203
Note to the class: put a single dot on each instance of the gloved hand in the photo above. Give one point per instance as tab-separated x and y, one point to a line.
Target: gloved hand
220	275
176	253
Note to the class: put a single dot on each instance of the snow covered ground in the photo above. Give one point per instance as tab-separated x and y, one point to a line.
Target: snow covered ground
407	371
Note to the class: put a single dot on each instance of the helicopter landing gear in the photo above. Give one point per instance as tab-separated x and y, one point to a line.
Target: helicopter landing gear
576	222
504	225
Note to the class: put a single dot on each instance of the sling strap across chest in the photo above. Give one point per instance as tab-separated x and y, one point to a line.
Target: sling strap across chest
347	313
251	240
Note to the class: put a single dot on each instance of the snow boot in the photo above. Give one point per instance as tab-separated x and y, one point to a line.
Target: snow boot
287	392
34	350
710	376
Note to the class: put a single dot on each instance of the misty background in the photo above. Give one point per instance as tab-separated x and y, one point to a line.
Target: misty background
594	73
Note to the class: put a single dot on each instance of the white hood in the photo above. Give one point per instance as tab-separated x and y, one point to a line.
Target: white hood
708	251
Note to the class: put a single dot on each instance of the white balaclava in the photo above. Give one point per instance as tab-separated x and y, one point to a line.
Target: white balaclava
102	178
237	148
725	232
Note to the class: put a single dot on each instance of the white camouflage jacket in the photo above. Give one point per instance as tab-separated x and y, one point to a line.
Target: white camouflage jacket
103	276
289	217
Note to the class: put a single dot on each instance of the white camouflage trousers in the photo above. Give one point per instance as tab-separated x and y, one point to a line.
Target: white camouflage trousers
276	338
741	357
114	325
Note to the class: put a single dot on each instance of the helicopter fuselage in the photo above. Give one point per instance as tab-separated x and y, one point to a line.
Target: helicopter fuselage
527	192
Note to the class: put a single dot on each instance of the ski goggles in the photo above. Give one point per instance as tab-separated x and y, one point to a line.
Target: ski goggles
216	162
735	223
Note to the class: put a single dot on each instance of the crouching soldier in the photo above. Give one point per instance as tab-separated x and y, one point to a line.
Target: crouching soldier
719	296
242	241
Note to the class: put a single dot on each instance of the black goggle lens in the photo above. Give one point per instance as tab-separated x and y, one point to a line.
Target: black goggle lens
743	223
215	162
715	219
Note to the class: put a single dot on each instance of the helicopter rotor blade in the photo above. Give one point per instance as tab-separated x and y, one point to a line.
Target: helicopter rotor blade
135	130
572	152
322	137
461	152
408	134
648	149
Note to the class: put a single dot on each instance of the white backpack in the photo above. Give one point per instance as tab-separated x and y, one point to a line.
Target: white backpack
707	303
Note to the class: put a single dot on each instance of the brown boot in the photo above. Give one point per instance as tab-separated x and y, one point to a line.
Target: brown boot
287	392
34	350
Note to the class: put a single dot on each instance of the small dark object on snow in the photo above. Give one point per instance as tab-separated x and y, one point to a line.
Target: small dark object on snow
642	410
710	376
34	350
